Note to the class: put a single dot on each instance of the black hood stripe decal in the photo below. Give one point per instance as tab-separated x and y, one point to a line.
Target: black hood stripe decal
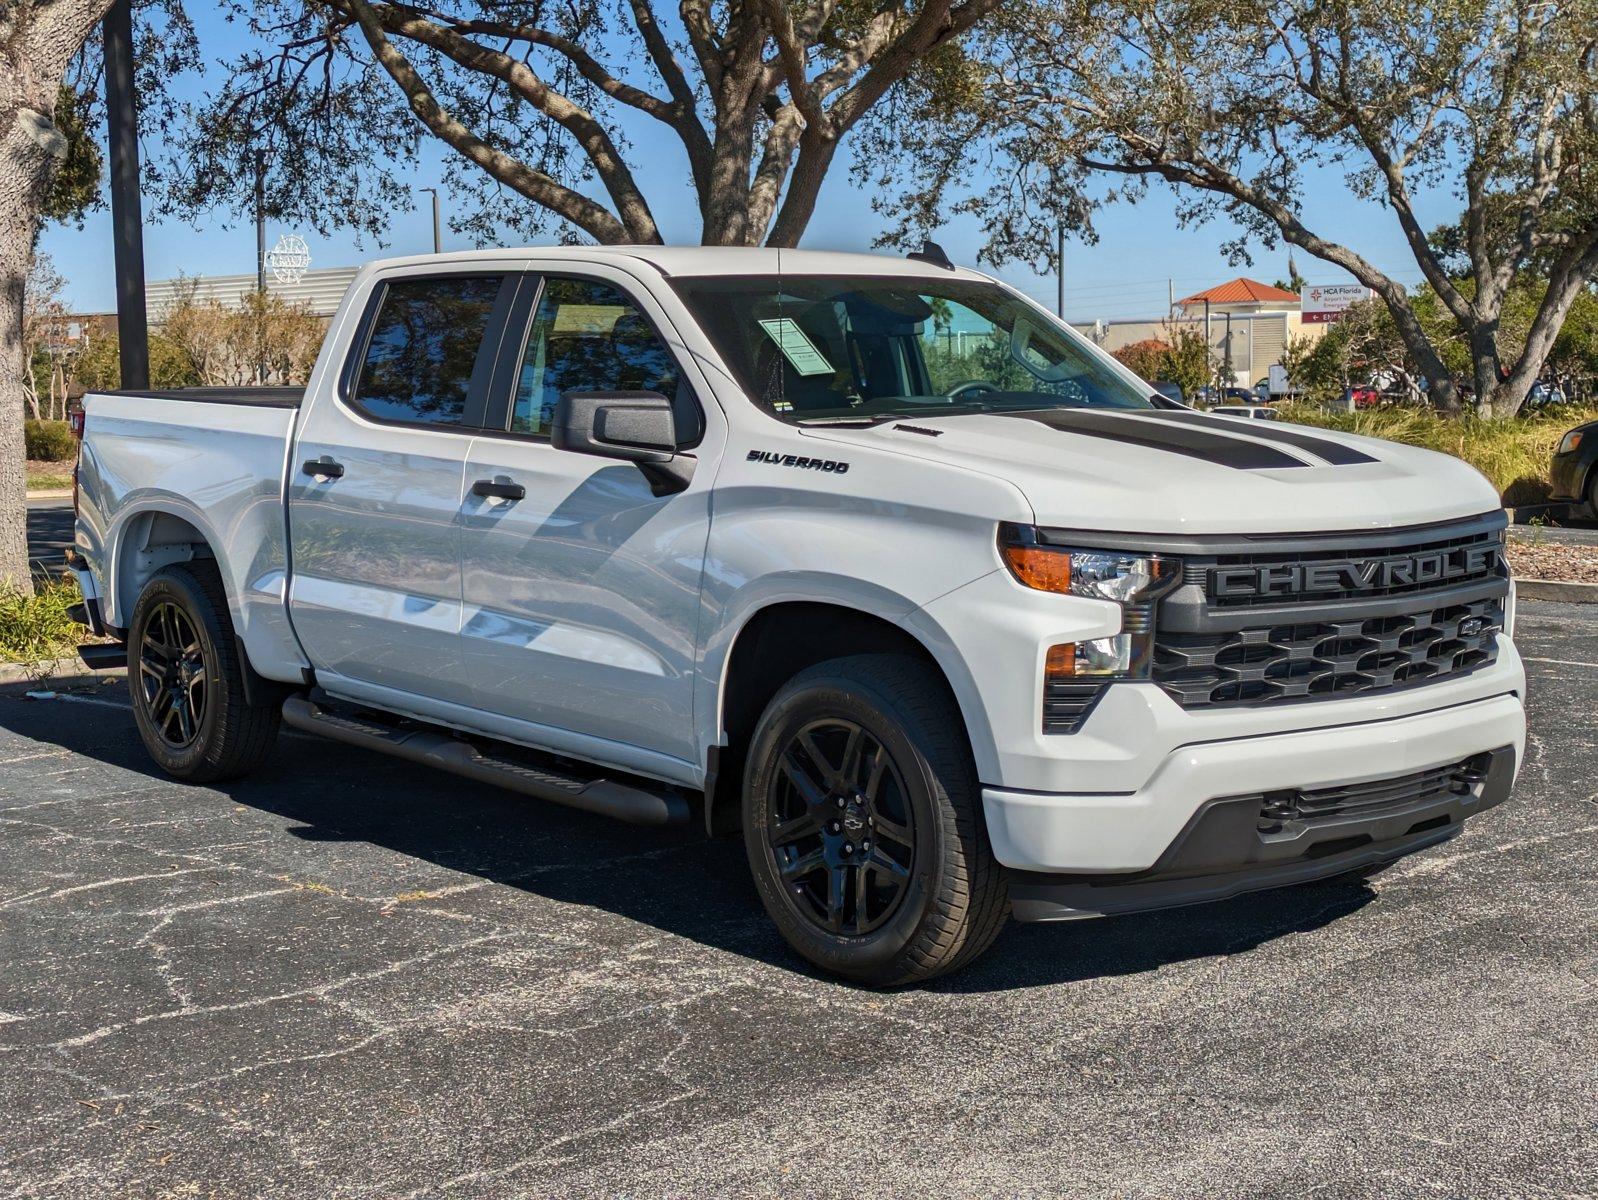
1332	452
1207	444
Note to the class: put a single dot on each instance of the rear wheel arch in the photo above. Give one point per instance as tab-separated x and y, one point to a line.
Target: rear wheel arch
150	540
775	643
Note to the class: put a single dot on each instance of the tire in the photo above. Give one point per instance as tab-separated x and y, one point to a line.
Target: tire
883	729
1592	495
183	657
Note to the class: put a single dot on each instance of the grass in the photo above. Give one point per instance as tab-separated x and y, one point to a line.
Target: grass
48	481
36	629
1513	453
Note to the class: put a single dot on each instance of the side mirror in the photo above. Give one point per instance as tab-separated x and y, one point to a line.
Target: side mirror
636	427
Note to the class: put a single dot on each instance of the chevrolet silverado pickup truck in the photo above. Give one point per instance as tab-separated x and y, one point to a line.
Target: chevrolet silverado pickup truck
871	561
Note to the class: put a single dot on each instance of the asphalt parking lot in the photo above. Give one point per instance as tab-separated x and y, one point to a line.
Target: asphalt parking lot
349	977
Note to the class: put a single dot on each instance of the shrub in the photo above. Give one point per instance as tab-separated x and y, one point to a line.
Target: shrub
49	441
1513	452
37	628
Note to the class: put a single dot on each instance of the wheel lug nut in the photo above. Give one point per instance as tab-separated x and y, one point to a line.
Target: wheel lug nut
848	848
840	801
866	845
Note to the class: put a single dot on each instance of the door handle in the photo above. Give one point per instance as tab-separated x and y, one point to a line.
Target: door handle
323	468
499	491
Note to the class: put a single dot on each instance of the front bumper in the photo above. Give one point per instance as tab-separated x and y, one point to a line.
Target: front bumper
1226	850
1130	831
1567	475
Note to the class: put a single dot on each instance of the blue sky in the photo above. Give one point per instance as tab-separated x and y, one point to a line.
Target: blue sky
1124	275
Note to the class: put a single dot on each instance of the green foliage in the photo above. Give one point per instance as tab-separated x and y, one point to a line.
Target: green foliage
49	441
1513	453
37	628
100	367
1145	359
76	187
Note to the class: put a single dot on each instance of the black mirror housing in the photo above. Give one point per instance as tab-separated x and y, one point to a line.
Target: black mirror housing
635	427
632	426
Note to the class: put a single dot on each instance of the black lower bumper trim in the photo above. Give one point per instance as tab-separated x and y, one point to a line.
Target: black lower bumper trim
1224	853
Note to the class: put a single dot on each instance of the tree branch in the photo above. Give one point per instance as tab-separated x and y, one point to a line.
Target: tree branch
589	216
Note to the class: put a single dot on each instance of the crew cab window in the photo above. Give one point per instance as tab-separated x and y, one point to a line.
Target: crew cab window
423	348
588	336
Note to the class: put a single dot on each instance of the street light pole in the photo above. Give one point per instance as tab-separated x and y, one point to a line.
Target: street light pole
438	228
1059	269
127	221
260	222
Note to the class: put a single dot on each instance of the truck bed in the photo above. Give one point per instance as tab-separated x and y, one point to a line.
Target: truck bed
262	397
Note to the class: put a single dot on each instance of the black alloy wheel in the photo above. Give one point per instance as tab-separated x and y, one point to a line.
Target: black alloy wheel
841	828
173	675
187	679
863	823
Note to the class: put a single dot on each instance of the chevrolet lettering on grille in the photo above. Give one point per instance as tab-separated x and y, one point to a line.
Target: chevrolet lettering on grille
1353	575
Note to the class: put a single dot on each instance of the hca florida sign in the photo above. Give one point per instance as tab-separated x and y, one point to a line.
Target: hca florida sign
1324	302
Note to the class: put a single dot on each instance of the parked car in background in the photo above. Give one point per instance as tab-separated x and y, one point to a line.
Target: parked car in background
1362	397
1571	473
713	535
1257	412
1170	390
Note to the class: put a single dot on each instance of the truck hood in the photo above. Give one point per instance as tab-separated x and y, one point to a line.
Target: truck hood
1183	472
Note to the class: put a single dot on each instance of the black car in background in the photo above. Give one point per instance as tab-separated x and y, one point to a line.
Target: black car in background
1571	472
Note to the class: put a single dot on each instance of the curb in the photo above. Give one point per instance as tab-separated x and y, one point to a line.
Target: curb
25	677
50	494
1554	589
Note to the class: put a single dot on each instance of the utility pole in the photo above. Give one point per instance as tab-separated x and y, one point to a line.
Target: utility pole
1059	271
438	227
127	221
1228	380
260	268
260	221
1170	299
1209	346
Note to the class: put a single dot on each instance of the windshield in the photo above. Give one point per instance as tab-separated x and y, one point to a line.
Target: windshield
813	348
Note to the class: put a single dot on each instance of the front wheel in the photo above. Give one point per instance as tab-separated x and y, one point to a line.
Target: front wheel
863	823
186	677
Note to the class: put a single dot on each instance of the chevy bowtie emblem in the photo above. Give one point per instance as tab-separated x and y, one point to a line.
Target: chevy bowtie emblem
1471	626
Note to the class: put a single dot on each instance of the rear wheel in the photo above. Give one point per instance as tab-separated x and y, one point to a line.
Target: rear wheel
863	823
187	679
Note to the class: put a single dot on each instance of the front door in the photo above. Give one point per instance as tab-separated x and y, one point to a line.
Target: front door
376	485
582	596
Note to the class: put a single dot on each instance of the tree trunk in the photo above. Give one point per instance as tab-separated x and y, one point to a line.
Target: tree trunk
30	150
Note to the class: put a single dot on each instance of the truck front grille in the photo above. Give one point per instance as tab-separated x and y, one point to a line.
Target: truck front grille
1314	618
1289	661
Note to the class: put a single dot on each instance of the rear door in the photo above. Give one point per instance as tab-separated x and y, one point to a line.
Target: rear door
376	486
582	596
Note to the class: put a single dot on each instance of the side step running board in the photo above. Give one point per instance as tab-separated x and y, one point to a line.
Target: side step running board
637	805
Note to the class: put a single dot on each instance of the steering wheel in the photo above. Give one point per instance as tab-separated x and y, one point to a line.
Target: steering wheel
972	387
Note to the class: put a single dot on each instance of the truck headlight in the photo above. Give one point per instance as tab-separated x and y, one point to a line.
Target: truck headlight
1569	442
1132	581
1097	574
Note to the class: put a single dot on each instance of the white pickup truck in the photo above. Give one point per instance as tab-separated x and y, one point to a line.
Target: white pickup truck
871	560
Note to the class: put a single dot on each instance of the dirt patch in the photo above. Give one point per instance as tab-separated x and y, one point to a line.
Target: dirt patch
1534	557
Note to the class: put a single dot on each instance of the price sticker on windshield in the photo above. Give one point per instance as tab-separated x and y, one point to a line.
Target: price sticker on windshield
798	349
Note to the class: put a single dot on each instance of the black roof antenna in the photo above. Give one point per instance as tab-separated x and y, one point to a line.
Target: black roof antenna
931	252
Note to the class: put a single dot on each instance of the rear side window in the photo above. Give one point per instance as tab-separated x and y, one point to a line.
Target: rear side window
424	347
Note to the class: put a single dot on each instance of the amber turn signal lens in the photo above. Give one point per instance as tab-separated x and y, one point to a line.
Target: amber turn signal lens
1060	663
1045	570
